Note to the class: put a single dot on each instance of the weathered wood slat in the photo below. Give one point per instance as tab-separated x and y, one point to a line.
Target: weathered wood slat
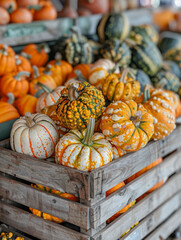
35	226
45	173
5	143
112	204
140	210
111	174
67	210
167	228
154	219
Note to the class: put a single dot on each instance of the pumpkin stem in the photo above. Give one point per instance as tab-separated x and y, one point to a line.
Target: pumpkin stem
58	58
44	46
146	93
114	68
4	50
47	70
29	121
26	55
115	8
87	140
10	9
18	61
137	118
131	43
36	7
72	92
124	74
11	98
36	72
21	74
76	30
80	76
44	87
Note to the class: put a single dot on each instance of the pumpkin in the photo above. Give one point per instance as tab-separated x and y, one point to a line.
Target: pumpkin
166	80
82	69
49	97
100	70
146	56
51	112
46	12
9	98
37	54
22	64
95	6
83	12
172	67
169	41
21	15
62	68
113	26
5	18
40	78
55	73
7	4
158	103
56	192
174	55
7	59
15	83
68	12
176	102
127	125
90	150
9	236
117	52
26	3
118	152
8	112
120	86
115	188
35	135
162	18
78	103
26	103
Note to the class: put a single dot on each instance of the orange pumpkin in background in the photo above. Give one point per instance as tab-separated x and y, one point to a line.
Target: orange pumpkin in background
26	3
21	15
7	4
26	103
5	18
95	6
37	54
80	70
8	112
46	12
7	59
22	64
55	72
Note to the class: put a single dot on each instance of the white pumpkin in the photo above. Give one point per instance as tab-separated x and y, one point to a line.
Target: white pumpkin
35	135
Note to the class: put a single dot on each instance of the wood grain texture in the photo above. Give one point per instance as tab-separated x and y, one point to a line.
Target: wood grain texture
67	210
120	169
140	210
167	228
5	143
154	219
116	201
35	226
45	173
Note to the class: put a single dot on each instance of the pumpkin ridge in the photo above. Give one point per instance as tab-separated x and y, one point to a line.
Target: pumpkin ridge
47	132
31	144
78	155
46	155
102	159
68	159
129	138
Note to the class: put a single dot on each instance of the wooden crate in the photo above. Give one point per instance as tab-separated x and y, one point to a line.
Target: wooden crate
86	220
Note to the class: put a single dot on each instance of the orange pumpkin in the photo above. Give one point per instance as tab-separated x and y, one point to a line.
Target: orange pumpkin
37	54
47	12
177	103
9	98
56	74
7	4
5	18
115	188
26	3
26	103
15	83
80	69
127	125
68	12
8	112
22	64
7	59
21	15
42	79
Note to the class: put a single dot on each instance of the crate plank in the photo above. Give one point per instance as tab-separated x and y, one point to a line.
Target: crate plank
35	226
141	209
5	143
167	228
154	219
67	210
112	204
122	168
45	173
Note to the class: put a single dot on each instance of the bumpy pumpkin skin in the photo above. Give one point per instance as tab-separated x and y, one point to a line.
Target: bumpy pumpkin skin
7	60
89	153
127	125
35	135
9	236
160	104
78	104
120	86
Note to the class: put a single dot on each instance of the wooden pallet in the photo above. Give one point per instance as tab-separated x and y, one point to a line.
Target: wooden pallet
86	220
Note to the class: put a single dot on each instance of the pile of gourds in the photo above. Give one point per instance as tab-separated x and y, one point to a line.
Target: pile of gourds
26	11
97	104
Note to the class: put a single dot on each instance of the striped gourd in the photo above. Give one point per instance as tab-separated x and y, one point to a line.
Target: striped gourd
174	55
172	67
169	41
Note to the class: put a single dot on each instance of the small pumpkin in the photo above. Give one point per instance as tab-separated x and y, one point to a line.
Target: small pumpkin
35	135
49	97
78	103
55	73
176	102
9	236
5	18
95	6
26	103
174	55
127	125
22	64
82	69
90	150
120	86
160	104
172	67
7	59
100	70
21	15
15	83
46	12
169	41
26	3
8	112
8	4
117	52
37	54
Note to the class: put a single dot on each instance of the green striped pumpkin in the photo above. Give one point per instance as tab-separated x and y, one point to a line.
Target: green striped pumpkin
146	57
169	42
113	26
117	52
174	55
166	80
172	67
